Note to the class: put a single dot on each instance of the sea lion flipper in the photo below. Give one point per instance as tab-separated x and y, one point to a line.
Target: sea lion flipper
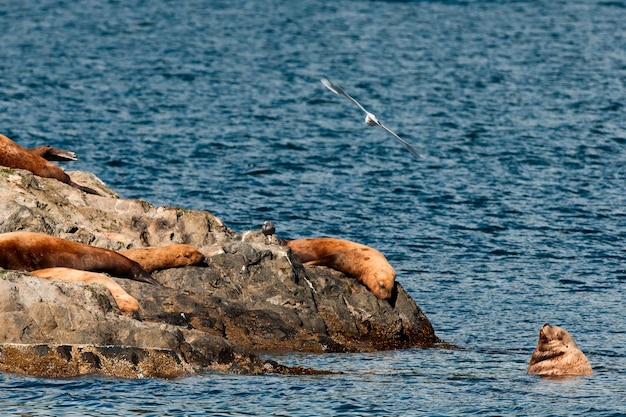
53	154
327	260
172	256
141	275
83	188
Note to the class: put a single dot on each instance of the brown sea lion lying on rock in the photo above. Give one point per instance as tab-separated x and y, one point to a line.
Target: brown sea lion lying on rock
13	155
556	354
366	264
172	256
27	251
124	301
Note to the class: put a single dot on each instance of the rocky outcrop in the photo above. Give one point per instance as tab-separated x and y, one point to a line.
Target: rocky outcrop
252	295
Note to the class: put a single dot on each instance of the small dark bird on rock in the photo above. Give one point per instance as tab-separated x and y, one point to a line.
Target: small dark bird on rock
268	228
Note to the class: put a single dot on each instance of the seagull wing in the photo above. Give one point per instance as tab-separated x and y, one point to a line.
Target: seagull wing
339	91
399	139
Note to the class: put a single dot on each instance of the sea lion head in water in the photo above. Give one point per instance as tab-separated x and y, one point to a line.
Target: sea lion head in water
556	354
28	251
366	264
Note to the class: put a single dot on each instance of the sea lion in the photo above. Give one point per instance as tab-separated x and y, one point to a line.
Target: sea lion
556	354
366	264
125	301
27	251
171	256
13	155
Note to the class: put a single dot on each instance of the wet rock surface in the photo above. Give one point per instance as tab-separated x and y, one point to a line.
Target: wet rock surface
64	361
252	295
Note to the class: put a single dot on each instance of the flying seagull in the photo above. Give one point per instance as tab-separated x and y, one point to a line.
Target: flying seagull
370	119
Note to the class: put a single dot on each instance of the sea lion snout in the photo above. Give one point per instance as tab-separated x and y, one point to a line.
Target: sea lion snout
382	292
543	333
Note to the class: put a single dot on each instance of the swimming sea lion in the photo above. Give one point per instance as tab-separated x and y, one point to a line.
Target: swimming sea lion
124	301
27	251
556	354
13	155
366	264
171	256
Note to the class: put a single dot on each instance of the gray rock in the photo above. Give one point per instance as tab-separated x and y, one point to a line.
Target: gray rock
253	294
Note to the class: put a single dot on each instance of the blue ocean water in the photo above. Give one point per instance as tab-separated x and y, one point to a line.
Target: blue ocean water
515	217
